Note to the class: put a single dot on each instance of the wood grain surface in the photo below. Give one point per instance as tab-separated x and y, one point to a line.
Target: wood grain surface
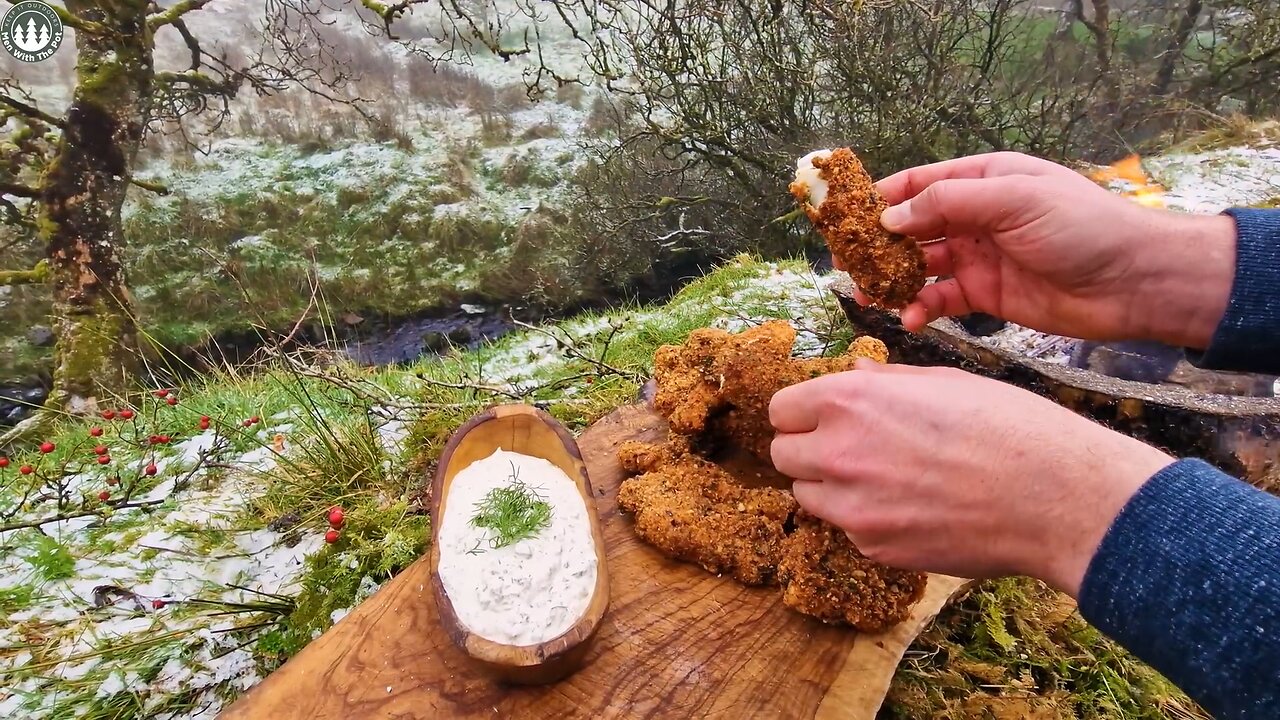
677	642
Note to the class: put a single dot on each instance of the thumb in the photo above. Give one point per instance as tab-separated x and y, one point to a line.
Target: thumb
960	204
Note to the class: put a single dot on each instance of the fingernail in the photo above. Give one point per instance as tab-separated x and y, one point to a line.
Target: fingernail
895	216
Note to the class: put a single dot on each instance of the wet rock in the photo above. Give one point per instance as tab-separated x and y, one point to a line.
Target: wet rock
435	341
461	335
35	395
1139	360
285	522
40	336
1153	362
980	324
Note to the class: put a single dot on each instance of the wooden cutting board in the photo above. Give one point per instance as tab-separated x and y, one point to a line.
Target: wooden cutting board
676	642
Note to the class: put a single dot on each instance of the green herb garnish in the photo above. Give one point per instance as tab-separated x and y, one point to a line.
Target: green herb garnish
511	513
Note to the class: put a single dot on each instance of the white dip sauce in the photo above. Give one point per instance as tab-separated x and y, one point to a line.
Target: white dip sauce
534	589
812	177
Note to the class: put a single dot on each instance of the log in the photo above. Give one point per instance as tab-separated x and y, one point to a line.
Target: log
1240	435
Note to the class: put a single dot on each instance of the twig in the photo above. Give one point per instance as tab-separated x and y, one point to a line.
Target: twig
72	515
571	349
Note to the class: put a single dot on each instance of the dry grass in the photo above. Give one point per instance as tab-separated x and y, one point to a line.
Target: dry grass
1232	131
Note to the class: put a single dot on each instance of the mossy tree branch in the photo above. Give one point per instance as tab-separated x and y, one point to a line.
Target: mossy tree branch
173	14
18	190
80	24
31	111
389	13
154	187
37	275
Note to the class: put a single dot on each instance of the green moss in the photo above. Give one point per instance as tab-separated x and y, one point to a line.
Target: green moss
49	558
376	544
1019	645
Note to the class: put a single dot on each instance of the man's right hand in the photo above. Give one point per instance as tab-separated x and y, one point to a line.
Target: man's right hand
1038	244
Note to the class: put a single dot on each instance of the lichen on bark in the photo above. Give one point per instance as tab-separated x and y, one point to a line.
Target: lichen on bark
82	191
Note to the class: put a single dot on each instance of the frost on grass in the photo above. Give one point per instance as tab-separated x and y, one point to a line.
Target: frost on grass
93	606
742	294
1213	181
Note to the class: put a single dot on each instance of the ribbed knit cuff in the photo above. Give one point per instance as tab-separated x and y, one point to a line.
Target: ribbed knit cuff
1188	579
1248	337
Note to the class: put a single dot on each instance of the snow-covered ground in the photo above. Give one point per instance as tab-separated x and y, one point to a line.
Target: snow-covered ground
131	611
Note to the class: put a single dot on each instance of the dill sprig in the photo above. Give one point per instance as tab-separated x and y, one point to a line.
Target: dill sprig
511	513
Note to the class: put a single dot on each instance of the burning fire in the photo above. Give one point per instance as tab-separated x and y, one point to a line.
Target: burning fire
1131	180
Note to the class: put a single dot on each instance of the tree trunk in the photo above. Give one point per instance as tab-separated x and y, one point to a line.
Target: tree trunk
1176	46
82	193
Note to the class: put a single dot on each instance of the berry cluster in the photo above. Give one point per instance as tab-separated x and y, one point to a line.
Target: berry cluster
336	520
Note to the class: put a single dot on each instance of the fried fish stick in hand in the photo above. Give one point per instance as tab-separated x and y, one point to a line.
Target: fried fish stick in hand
842	203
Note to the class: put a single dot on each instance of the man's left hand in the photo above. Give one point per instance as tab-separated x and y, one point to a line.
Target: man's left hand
937	469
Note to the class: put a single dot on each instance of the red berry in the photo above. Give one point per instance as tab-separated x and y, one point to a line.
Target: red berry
95	432
331	537
113	481
100	450
157	604
255	419
336	517
4	462
26	469
105	495
161	393
104	459
47	447
108	414
164	439
247	423
150	469
172	399
126	414
204	424
154	439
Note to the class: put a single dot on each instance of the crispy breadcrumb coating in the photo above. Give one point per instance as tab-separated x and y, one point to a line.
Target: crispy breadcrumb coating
694	510
887	267
721	384
823	575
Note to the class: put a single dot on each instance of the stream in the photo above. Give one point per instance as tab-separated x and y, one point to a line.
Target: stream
366	341
381	340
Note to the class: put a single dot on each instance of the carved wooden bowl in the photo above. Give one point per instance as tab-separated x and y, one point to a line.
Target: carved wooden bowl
529	431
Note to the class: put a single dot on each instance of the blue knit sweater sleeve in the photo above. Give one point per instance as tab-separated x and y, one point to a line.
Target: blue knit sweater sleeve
1188	575
1248	337
1188	579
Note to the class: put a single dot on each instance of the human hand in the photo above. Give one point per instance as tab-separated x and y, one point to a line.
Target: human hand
937	469
1033	242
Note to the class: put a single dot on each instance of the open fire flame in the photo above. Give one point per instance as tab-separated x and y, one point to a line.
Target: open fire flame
1131	180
